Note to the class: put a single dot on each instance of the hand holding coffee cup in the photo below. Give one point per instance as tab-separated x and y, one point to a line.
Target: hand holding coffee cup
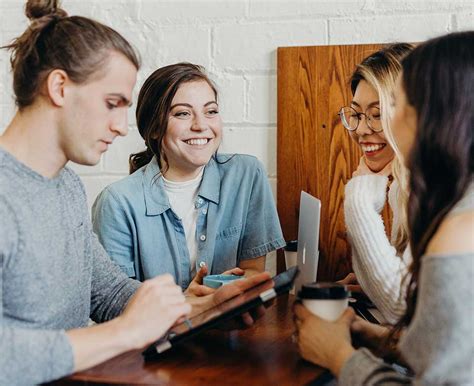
326	300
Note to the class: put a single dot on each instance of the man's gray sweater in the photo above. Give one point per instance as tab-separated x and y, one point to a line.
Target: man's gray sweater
54	274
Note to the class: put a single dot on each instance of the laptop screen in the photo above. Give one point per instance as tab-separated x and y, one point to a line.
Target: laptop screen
308	239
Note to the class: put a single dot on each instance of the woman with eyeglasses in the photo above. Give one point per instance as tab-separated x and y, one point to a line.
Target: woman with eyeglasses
433	128
379	263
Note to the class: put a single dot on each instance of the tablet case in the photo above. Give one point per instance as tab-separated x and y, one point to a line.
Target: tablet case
255	297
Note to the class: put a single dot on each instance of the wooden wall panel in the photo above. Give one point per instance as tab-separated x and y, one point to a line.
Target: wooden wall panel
314	151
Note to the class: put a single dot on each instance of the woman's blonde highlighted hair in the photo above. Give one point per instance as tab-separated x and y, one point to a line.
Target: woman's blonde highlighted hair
381	70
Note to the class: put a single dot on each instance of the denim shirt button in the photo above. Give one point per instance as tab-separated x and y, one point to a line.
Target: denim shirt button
202	237
202	264
199	201
204	211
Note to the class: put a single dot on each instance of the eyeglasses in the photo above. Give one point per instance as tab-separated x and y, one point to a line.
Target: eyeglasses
351	118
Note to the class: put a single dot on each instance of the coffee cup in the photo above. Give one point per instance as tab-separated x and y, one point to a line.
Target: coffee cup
291	252
326	300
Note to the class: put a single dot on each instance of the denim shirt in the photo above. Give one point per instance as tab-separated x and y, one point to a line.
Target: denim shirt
237	220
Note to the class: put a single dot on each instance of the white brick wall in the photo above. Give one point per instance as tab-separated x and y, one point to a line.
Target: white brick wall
237	41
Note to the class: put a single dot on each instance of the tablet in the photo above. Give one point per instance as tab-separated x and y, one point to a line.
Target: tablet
227	310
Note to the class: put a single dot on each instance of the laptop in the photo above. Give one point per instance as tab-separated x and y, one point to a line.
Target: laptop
308	256
308	240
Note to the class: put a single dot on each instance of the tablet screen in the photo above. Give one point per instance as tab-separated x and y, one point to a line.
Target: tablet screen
233	303
230	308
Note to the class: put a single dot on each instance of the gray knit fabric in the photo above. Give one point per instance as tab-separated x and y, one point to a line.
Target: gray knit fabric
439	343
54	274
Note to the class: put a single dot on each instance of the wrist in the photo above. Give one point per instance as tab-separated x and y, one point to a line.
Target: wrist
340	359
126	339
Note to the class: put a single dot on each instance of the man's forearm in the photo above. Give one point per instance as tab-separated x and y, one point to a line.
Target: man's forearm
96	344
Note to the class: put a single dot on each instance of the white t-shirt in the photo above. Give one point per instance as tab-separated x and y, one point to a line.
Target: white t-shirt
182	197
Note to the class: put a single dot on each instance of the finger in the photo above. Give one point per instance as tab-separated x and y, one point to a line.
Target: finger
247	319
354	287
252	281
347	317
200	275
257	313
234	271
235	288
202	290
349	279
301	312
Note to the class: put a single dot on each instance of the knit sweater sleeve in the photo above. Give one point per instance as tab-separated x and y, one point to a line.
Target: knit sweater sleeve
375	262
111	288
28	356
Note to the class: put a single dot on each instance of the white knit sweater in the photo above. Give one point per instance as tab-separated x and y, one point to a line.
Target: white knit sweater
376	264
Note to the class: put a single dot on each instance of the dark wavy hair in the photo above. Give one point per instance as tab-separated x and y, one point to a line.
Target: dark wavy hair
154	104
438	79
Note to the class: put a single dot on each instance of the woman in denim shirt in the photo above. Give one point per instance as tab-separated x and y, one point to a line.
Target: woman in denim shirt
185	209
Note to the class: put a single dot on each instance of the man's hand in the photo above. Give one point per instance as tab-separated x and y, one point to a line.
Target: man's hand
154	308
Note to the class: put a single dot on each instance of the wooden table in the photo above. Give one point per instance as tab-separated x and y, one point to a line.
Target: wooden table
261	355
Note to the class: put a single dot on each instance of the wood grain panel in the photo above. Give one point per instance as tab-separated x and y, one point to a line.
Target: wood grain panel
315	153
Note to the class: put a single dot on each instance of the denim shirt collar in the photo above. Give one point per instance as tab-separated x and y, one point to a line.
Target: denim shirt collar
156	199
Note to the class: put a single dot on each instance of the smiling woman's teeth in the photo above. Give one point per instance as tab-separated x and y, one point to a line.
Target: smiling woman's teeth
369	148
201	141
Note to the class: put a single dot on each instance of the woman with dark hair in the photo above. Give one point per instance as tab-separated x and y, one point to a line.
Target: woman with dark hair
433	128
73	79
185	209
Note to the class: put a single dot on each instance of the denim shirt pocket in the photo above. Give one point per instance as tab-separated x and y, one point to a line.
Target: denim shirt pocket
230	232
226	249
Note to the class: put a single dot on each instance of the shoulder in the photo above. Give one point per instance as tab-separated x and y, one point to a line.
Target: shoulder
238	163
366	189
128	186
71	178
238	159
454	235
124	190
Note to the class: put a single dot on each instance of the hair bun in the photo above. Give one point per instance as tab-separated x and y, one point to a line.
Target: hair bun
35	9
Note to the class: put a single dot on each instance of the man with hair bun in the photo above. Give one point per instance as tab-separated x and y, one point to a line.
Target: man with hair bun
54	274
